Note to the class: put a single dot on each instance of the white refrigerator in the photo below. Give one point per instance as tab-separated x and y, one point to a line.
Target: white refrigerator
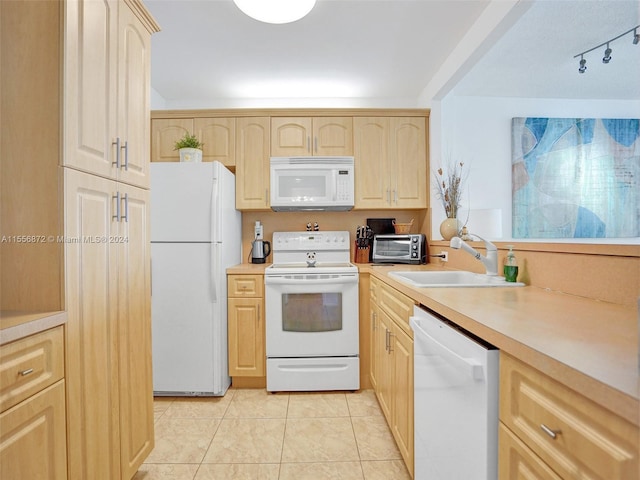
195	236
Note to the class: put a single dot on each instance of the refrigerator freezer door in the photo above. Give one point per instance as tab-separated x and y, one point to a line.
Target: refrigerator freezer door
227	222
188	338
181	200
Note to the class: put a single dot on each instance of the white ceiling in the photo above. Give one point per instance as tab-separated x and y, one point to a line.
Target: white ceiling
384	53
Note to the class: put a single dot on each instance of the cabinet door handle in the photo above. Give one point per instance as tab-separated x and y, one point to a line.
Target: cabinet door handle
116	197
125	217
552	433
308	143
395	196
386	340
388	196
391	342
125	147
315	144
266	197
373	320
258	312
26	372
117	144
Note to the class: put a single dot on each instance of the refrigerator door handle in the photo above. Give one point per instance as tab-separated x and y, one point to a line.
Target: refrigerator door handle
216	236
212	271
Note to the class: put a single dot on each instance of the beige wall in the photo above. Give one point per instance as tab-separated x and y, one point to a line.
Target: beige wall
297	222
605	272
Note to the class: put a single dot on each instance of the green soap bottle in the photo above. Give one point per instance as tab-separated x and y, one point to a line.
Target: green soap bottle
510	266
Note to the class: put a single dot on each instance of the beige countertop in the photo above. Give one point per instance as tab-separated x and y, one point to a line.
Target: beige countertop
248	268
589	345
15	325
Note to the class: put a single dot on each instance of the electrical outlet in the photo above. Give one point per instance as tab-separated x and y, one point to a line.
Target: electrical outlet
445	256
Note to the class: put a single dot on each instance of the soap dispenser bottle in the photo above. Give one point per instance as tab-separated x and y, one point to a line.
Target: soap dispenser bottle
510	266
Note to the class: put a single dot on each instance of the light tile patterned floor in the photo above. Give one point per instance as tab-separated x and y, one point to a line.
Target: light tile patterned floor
255	435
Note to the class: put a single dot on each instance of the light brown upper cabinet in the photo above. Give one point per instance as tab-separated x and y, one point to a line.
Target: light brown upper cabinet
107	117
219	138
218	134
165	132
390	162
252	163
298	136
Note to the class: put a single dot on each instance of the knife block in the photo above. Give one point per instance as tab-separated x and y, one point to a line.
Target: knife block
361	254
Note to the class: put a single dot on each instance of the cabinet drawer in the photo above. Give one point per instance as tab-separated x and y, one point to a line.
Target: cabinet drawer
397	305
30	364
573	435
245	285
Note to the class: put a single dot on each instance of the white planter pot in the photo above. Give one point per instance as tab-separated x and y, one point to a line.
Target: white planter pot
190	155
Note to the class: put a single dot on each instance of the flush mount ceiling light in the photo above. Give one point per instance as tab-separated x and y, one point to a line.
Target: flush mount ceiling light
607	53
275	11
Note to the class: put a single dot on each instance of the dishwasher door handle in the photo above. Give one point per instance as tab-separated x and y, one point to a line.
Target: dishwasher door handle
474	368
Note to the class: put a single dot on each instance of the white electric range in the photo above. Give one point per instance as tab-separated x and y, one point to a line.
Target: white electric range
311	296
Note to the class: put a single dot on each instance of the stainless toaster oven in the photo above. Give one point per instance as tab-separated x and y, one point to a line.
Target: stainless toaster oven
398	248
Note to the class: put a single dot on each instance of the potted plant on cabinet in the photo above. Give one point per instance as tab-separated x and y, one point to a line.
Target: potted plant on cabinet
190	148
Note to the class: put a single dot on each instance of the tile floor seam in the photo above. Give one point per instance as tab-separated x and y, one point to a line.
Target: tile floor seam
284	435
356	438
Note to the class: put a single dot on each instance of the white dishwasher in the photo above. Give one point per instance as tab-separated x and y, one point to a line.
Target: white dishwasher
455	401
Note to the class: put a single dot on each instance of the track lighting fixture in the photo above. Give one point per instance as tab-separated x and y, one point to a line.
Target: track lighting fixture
607	53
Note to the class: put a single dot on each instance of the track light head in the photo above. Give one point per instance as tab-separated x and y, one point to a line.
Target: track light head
636	37
583	66
607	55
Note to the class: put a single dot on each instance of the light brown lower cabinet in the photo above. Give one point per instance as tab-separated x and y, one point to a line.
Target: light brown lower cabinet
246	325
392	364
32	437
33	440
108	340
549	431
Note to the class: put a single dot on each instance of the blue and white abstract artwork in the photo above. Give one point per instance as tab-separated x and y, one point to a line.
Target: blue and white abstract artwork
575	177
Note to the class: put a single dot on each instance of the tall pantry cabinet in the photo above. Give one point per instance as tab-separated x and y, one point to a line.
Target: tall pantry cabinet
107	262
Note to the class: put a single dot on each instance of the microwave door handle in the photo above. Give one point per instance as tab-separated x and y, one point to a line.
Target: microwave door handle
334	185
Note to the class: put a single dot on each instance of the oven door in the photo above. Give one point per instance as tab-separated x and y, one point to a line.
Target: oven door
311	315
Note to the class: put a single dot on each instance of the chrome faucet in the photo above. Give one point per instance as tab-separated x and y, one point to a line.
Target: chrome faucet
490	262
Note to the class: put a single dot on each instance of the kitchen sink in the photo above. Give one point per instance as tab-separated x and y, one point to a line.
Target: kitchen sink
452	279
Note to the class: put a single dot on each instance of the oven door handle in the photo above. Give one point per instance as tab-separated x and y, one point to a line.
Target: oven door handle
298	279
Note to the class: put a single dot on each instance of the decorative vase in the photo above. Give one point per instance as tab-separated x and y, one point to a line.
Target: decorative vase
449	228
190	155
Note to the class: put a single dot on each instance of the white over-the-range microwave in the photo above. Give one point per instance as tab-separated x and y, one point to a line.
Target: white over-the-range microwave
312	183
